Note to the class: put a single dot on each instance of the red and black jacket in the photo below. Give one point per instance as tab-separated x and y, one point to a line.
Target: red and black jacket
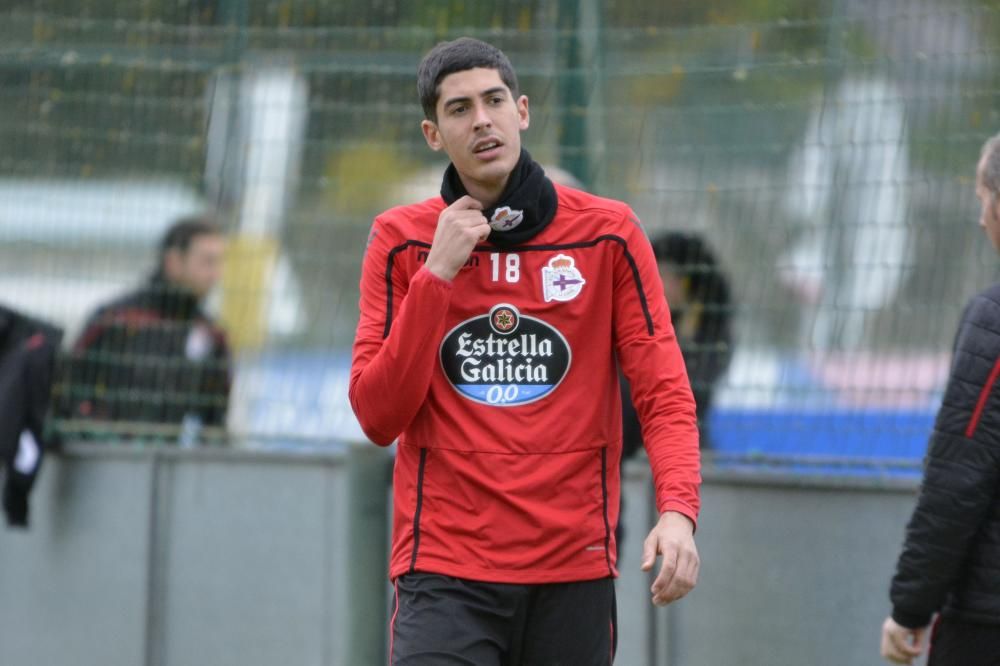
151	356
951	556
502	387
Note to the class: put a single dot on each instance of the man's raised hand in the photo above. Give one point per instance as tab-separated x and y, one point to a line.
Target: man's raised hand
460	226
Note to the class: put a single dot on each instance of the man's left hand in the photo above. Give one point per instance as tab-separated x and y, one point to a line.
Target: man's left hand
673	539
901	645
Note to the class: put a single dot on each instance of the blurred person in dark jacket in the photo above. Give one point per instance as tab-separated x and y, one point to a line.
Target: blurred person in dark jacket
950	564
154	355
27	359
698	294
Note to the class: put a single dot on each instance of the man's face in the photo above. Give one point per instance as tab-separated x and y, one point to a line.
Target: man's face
199	268
989	215
673	286
479	126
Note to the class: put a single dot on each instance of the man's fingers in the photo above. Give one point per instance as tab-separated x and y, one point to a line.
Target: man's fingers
469	221
687	570
668	568
467	216
471	217
671	539
466	203
648	553
902	643
896	647
899	644
459	228
684	578
889	653
893	654
918	639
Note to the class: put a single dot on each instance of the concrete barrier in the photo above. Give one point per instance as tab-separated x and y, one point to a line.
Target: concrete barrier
168	557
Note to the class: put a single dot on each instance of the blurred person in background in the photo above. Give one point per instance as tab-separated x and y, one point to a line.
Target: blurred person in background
154	356
950	558
701	312
492	317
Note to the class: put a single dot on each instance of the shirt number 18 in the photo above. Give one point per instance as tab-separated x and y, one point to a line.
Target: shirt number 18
512	264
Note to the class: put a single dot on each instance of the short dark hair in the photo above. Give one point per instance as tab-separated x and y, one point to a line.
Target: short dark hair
990	173
459	55
182	233
692	259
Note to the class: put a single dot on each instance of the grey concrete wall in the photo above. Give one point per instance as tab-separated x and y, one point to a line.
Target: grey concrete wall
73	589
173	558
794	571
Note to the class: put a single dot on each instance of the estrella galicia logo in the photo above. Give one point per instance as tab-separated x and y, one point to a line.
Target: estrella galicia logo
504	358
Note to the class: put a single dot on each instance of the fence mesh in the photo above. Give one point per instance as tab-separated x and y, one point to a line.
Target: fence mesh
823	152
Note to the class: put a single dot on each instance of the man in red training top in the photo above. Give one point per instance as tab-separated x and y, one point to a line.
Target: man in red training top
493	318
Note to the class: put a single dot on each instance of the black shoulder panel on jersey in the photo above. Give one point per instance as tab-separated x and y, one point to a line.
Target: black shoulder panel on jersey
388	280
524	248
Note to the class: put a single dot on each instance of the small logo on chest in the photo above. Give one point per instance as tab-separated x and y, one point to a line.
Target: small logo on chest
561	279
505	219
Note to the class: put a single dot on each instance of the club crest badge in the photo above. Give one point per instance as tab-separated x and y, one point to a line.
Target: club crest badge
505	219
561	280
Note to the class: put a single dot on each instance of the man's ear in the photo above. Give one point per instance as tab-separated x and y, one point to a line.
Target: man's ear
522	112
431	134
173	263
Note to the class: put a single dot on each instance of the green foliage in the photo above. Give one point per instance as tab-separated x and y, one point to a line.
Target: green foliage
359	176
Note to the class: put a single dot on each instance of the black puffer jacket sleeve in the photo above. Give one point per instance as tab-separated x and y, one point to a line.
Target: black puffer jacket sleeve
947	550
27	353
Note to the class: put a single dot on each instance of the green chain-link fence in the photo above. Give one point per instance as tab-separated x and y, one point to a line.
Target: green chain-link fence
823	150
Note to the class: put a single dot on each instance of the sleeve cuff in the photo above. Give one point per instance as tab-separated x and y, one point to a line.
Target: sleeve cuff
910	620
424	274
681	507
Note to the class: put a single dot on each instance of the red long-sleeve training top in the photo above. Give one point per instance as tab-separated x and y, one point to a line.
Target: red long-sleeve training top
502	389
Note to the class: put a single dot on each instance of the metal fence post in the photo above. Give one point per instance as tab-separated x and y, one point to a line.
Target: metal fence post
368	468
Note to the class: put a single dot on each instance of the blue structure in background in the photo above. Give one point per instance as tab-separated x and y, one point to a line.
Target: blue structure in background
299	400
868	442
829	417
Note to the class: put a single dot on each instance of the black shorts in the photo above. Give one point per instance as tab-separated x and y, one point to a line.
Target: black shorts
443	621
958	643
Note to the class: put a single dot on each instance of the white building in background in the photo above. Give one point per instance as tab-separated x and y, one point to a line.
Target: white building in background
67	246
848	192
71	245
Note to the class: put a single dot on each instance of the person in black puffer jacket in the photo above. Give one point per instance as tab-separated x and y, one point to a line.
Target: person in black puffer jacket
950	562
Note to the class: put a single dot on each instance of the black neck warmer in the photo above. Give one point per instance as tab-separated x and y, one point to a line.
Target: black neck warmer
526	206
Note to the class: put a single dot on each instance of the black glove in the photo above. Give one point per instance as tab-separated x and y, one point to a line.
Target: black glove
15	502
